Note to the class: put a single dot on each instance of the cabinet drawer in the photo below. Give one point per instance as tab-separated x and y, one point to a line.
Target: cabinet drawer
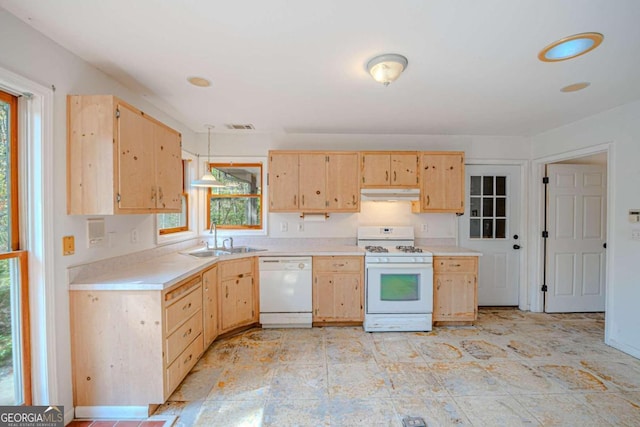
337	264
183	364
454	264
183	308
236	268
181	337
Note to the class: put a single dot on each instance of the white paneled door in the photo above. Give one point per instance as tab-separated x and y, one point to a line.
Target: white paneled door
576	216
491	225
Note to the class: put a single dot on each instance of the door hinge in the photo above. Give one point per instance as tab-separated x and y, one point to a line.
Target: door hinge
118	198
544	288
545	179
545	234
117	113
267	178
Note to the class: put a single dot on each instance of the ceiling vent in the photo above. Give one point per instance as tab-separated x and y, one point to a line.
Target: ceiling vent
235	126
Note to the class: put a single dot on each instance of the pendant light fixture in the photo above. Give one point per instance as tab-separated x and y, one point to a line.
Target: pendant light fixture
207	180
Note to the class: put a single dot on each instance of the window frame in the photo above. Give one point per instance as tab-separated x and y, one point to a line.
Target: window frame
185	194
210	196
14	252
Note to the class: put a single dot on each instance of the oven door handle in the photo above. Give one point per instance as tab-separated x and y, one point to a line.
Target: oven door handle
417	266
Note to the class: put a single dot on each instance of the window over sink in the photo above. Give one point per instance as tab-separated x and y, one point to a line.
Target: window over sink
237	205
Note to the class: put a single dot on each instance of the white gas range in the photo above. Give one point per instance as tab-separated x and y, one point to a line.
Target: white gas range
399	280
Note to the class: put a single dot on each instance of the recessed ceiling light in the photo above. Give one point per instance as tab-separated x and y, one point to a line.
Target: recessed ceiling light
575	87
199	81
570	47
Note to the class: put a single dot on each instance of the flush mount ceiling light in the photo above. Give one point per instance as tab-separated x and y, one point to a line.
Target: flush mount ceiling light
199	81
208	180
386	68
570	47
575	87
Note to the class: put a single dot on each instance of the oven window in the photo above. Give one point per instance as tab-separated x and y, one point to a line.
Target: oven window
399	287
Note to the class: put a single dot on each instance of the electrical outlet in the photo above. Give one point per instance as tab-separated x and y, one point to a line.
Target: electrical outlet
134	235
300	226
284	227
635	234
68	245
425	228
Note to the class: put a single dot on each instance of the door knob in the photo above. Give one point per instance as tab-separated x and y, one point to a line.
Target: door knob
516	246
515	236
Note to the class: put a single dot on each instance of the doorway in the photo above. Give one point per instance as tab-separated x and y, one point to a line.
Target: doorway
491	224
575	246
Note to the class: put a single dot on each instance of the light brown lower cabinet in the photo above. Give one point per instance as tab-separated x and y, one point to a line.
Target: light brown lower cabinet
237	290
338	289
210	305
455	289
133	348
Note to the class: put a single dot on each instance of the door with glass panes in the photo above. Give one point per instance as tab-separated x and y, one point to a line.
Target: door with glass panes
491	225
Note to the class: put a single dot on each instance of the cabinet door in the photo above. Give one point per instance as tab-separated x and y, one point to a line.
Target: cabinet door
404	170
348	297
313	182
227	306
376	170
169	173
454	297
443	182
136	174
283	182
343	187
323	297
244	300
210	305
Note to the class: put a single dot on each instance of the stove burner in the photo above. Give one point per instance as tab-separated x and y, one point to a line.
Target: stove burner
376	249
409	249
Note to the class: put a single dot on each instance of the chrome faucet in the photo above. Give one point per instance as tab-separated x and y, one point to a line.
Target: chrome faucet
213	230
224	243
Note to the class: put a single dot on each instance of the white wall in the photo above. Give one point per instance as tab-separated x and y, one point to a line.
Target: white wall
621	127
27	53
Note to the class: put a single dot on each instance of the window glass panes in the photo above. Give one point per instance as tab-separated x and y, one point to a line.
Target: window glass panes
5	174
487	185
487	228
238	204
501	207
487	206
173	222
475	187
475	206
501	185
501	228
235	211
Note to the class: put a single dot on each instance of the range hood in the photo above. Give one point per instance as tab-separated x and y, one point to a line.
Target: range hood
390	194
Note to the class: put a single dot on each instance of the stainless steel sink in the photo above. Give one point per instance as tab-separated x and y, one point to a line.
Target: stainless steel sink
205	253
243	250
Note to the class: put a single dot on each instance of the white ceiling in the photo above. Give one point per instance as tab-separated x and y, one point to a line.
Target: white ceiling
299	66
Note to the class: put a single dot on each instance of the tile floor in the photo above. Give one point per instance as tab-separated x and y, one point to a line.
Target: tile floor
512	368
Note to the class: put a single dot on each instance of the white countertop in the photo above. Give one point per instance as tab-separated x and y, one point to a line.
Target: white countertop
167	270
451	251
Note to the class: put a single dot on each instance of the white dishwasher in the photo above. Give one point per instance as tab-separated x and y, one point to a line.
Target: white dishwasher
285	292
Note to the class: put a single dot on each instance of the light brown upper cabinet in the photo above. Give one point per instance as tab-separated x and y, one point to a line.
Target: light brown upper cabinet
120	160
442	182
313	181
382	169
